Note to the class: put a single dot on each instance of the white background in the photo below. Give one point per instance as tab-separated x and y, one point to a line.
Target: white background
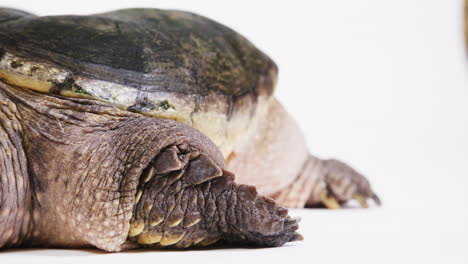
382	85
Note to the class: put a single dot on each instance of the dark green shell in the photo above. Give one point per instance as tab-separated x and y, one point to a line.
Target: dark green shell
163	63
149	49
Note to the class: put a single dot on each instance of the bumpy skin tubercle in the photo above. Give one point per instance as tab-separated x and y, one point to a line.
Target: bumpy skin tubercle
202	214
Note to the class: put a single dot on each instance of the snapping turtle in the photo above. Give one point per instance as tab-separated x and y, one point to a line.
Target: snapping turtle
123	129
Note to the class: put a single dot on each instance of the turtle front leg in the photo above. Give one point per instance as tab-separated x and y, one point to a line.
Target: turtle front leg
185	199
116	180
328	183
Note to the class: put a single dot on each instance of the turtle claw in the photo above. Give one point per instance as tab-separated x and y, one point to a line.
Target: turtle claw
296	237
361	200
329	201
297	219
376	199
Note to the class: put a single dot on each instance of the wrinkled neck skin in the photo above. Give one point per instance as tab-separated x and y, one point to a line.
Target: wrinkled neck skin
69	165
82	173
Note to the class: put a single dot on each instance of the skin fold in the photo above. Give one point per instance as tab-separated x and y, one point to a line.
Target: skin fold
149	128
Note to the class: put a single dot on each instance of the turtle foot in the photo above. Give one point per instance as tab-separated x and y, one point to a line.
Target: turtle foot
178	207
329	183
339	184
